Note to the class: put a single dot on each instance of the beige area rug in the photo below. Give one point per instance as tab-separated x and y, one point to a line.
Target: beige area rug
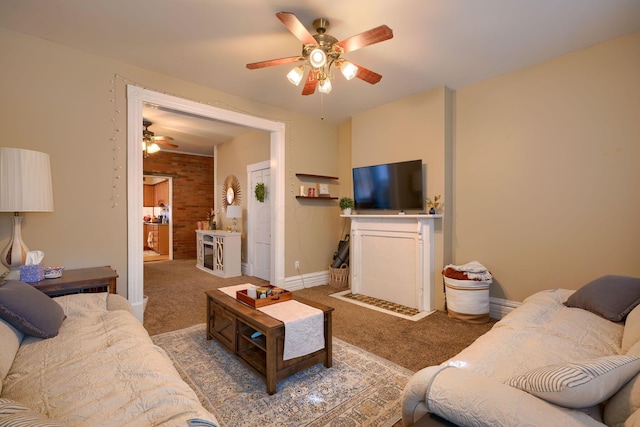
361	389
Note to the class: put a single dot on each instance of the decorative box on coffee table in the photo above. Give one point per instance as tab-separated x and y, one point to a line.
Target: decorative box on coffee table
243	296
235	324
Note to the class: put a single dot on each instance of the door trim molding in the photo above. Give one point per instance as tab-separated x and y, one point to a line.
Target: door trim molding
136	98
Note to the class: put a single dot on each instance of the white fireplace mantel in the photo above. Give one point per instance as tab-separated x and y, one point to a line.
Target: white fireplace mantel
392	258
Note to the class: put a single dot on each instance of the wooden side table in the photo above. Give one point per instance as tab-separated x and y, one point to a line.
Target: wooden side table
95	279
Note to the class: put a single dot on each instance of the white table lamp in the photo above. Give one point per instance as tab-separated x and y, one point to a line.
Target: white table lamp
25	186
235	212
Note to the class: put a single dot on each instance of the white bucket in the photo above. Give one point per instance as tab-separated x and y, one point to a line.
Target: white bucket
467	299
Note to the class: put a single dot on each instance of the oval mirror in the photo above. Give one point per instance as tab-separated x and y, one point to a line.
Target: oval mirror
230	191
230	196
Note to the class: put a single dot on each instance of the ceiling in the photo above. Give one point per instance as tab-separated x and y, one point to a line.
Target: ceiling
193	134
436	43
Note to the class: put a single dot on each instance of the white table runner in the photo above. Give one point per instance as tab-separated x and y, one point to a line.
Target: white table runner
303	325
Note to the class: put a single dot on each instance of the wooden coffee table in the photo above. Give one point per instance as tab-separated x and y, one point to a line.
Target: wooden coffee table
232	323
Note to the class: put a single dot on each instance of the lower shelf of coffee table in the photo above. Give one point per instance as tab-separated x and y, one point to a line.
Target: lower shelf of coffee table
232	323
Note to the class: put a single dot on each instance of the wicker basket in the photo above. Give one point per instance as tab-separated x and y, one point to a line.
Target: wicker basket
339	277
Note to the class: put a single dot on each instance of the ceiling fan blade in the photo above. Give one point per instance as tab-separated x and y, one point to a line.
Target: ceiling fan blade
272	62
161	138
367	75
310	84
374	35
295	26
166	144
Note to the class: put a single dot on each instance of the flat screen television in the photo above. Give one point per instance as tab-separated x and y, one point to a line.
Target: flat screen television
390	186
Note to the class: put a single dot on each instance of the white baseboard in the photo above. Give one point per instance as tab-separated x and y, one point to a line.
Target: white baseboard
308	280
498	307
295	283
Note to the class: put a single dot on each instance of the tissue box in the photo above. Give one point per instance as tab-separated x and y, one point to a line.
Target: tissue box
32	273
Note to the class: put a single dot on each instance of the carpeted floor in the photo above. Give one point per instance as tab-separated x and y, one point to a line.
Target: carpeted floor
176	301
360	389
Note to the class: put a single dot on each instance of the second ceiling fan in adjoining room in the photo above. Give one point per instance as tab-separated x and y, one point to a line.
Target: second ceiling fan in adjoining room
151	143
321	53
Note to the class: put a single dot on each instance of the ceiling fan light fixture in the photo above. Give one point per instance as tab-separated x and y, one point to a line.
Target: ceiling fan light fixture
153	148
348	70
325	86
317	58
150	147
295	75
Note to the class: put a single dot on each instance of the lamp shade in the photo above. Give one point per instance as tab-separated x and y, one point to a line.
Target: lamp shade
234	211
25	181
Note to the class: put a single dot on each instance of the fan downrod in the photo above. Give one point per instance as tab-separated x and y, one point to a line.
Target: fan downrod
321	25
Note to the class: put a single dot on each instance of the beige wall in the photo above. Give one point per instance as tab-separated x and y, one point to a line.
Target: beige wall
417	127
314	223
59	100
547	171
539	167
232	159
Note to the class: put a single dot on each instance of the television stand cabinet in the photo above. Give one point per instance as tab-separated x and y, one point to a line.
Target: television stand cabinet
218	252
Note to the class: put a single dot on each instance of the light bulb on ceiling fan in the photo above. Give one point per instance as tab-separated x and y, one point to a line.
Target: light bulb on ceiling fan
348	70
325	86
317	58
295	75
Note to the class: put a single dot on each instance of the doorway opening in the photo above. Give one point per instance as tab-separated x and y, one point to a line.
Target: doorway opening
137	97
157	216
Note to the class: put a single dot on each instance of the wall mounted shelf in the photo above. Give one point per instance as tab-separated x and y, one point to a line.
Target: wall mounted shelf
312	176
316	198
305	177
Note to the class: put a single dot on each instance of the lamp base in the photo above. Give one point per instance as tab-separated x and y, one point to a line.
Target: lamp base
235	225
15	254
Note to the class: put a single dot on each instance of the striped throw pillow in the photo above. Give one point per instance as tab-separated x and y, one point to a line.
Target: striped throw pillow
580	384
14	414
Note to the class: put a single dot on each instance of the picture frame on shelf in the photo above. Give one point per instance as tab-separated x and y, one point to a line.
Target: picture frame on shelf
323	190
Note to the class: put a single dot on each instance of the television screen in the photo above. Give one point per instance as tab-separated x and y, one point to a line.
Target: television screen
393	186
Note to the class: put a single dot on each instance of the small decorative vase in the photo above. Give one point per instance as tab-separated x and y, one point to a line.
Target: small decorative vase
346	211
432	211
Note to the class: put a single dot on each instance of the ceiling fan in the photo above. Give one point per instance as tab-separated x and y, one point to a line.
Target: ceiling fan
151	143
321	53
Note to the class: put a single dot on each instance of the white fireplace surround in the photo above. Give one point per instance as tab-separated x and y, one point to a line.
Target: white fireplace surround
392	258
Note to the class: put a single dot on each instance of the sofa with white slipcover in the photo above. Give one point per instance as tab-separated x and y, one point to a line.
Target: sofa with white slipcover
85	360
562	358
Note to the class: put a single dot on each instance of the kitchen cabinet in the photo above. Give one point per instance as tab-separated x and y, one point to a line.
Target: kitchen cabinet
156	195
148	195
159	238
161	193
163	239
